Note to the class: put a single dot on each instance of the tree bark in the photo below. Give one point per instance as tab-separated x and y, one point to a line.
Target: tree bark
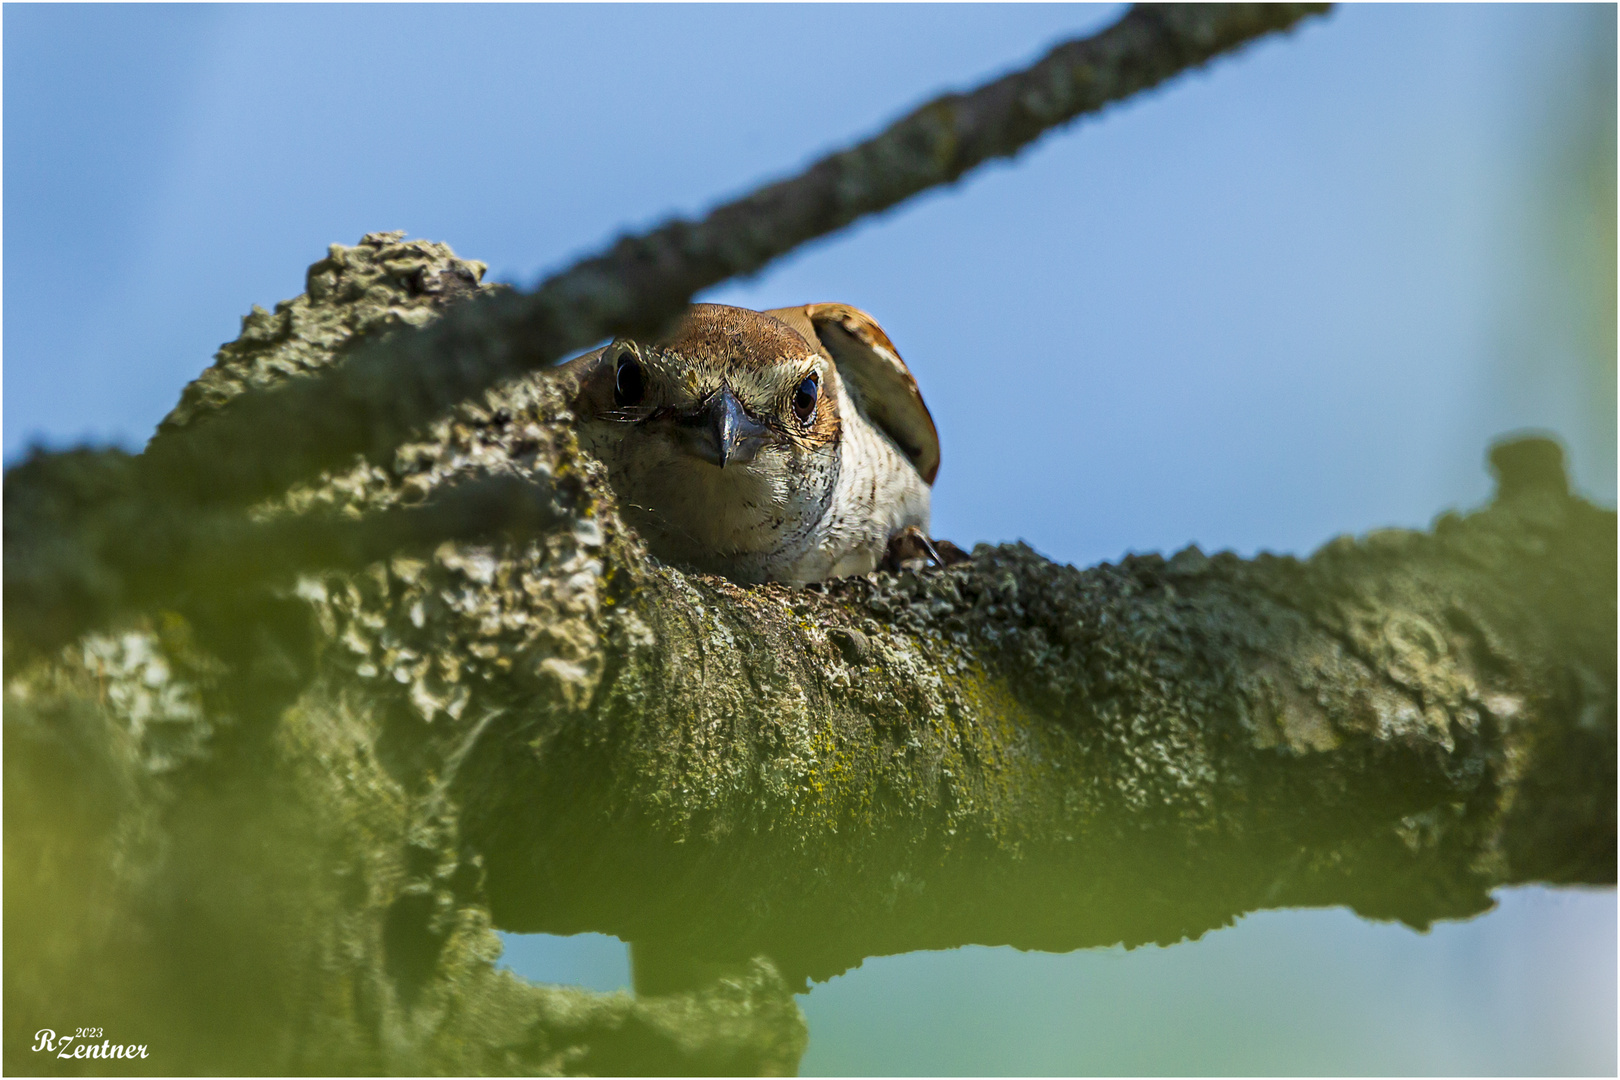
269	823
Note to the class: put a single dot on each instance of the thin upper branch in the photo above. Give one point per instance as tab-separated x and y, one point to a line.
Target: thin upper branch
373	402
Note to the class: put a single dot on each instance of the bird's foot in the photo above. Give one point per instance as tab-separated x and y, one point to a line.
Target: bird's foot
911	549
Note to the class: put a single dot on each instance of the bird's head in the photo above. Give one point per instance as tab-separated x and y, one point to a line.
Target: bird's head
730	389
721	439
729	440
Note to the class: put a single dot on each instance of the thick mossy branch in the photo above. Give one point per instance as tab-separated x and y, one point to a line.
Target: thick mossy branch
1011	751
266	820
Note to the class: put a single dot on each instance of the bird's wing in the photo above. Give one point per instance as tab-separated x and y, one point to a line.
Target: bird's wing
874	374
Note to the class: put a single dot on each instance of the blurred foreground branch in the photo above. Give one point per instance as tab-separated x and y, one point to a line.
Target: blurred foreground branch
380	396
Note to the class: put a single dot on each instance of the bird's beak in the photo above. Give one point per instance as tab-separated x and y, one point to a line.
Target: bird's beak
721	432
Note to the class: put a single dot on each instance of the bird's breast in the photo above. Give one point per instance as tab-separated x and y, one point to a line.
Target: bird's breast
792	513
739	520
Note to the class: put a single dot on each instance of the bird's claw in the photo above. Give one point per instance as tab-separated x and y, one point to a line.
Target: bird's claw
911	549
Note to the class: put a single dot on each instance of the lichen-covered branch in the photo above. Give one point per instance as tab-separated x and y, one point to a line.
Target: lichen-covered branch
376	400
1017	752
265	819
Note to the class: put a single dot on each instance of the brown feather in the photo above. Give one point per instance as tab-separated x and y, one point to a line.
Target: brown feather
762	359
874	374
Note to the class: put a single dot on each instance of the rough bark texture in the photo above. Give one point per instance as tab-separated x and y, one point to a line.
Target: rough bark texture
267	823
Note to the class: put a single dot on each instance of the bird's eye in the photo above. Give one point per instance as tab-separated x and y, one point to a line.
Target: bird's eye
804	399
629	387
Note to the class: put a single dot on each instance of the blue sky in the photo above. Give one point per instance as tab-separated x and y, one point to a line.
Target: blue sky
1292	295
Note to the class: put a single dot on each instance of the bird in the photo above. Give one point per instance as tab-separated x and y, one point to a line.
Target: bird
789	445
